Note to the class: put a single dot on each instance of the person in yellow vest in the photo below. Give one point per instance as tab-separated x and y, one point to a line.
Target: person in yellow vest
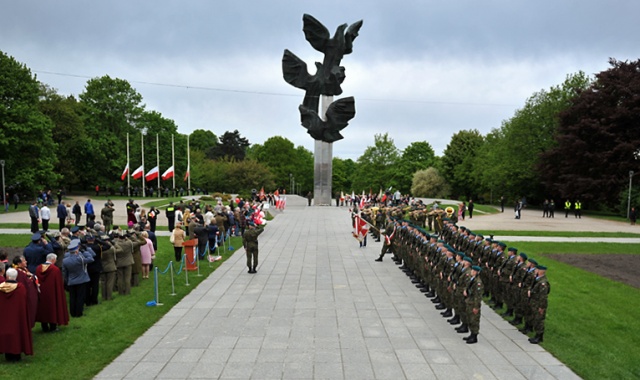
567	208
578	209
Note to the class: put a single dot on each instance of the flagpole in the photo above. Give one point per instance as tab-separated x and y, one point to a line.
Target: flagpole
128	176
173	163
188	167
143	172
158	158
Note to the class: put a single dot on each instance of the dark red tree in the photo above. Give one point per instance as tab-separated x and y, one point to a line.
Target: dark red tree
598	139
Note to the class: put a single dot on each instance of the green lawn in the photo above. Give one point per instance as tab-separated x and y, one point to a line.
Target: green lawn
591	321
90	343
498	233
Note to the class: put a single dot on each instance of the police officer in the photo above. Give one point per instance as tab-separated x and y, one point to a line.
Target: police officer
171	216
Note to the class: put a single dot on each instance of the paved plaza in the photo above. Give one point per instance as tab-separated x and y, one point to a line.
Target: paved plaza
321	308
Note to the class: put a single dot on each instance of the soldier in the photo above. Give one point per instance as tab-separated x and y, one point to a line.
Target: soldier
538	300
107	216
518	275
389	237
109	268
124	262
379	222
527	284
505	275
473	300
250	243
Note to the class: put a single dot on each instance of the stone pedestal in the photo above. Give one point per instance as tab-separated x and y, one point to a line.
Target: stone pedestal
323	163
322	173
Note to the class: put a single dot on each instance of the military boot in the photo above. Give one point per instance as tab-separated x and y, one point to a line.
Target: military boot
508	313
471	339
455	320
516	321
440	306
526	329
447	313
436	300
462	329
536	339
379	259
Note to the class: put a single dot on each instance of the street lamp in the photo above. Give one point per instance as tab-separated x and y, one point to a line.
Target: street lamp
4	194
290	181
629	199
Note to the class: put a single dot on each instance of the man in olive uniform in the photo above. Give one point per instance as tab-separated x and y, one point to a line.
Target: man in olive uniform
518	276
538	299
124	263
527	284
473	300
250	243
107	216
505	275
389	235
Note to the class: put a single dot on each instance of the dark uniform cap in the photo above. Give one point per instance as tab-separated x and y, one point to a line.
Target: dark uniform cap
89	237
524	255
467	258
460	253
476	268
463	228
489	240
512	249
36	236
75	229
541	267
480	236
503	245
534	261
472	233
440	241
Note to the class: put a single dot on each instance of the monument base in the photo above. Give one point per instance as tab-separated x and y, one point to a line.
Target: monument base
323	163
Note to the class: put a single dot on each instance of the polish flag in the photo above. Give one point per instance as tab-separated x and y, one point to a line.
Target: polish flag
137	174
167	174
361	228
153	174
186	175
125	172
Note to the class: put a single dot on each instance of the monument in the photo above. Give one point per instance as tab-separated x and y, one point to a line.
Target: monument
324	124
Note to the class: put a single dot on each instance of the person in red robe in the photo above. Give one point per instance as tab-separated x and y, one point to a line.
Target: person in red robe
52	309
15	332
28	280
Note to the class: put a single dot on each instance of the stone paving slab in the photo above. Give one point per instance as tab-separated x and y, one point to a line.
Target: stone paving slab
321	308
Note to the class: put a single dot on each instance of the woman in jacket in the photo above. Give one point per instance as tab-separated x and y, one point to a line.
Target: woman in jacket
177	238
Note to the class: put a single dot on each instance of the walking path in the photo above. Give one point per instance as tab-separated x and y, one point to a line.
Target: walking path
320	307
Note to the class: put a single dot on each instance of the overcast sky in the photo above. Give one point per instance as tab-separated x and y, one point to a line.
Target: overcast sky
420	70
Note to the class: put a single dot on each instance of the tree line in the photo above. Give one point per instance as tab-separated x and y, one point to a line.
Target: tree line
578	139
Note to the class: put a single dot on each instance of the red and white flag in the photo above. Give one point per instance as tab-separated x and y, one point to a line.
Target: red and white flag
167	174
361	228
125	172
153	174
186	175
137	174
362	201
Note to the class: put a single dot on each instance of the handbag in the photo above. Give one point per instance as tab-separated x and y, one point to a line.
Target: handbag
172	239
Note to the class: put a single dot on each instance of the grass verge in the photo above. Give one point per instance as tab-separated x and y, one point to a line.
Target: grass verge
591	321
88	344
498	233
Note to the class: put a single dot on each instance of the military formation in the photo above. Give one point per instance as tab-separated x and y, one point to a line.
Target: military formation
457	268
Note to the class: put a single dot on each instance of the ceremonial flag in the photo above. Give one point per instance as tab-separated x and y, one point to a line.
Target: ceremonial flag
125	172
153	174
362	200
186	175
167	174
262	192
361	228
137	174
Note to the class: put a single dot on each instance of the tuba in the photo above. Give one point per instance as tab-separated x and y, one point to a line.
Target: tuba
449	210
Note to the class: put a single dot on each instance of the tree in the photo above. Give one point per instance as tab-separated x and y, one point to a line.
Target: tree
202	140
429	183
69	132
458	163
342	176
278	154
376	167
598	139
231	145
418	155
111	109
25	134
510	156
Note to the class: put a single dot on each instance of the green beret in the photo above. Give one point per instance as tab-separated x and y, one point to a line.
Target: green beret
463	228
512	249
434	236
467	258
460	253
440	241
476	268
472	233
481	236
503	245
524	255
534	261
541	267
489	240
